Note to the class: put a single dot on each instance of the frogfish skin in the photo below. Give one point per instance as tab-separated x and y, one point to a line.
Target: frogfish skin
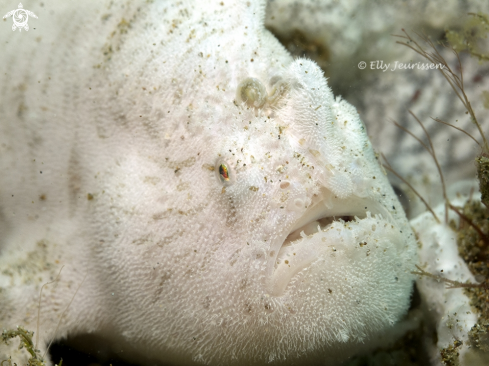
205	196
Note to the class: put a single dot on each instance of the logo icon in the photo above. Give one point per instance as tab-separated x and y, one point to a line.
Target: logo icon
20	17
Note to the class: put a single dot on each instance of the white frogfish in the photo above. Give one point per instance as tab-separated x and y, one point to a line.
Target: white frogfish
207	197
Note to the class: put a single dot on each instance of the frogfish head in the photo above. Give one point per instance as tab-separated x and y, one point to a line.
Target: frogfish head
265	229
303	248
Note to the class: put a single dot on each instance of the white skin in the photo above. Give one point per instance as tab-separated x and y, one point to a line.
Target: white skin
113	129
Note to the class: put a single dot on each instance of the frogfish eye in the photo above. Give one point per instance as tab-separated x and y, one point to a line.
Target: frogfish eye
225	173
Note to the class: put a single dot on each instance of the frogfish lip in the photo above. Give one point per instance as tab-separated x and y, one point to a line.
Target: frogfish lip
317	231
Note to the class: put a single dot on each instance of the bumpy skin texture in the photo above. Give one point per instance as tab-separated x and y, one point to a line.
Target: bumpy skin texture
114	121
